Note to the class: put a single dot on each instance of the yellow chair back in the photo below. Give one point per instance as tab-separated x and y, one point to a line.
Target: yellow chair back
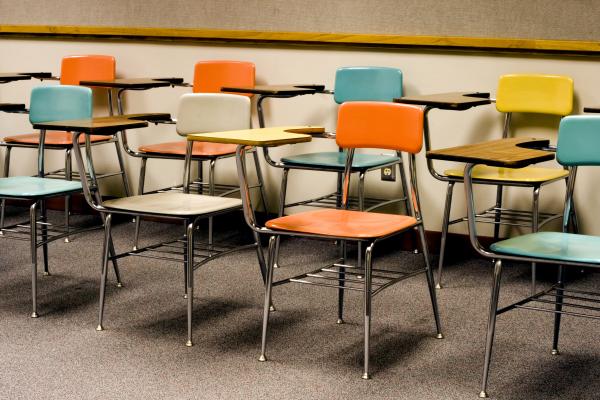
535	93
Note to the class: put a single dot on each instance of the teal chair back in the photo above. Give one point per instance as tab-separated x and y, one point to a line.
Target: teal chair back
579	140
367	84
60	103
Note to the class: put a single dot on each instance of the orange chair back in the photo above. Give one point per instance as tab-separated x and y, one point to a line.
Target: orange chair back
211	76
381	125
86	67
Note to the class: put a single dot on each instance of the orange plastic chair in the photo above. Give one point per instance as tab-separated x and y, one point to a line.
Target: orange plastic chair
360	125
209	77
73	70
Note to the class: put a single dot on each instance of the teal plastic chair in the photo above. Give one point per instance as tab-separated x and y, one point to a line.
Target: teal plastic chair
578	145
52	103
351	84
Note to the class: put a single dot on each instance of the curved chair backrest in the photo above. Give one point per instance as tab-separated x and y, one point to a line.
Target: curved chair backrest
60	103
212	112
579	140
367	84
86	67
210	76
535	93
380	125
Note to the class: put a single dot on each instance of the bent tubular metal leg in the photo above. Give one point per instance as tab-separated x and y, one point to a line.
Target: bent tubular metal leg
445	226
489	342
268	291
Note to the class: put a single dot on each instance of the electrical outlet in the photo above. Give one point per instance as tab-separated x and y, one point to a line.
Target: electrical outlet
388	174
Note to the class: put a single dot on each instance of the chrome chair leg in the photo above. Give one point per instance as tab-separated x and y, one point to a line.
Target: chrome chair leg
367	310
498	213
3	206
261	182
44	219
33	244
200	171
138	219
405	189
282	195
211	192
535	215
105	253
7	161
4	175
445	226
405	193
558	309
68	176
341	283
185	260
491	326
268	289
190	280
123	169
430	283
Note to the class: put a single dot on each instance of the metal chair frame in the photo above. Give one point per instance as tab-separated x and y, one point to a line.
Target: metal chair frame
335	275
557	291
184	249
495	214
38	231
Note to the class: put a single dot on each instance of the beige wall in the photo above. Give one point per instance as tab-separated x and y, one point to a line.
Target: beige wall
424	72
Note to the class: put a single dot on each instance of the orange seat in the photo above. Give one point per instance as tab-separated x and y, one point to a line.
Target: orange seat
53	138
201	149
343	223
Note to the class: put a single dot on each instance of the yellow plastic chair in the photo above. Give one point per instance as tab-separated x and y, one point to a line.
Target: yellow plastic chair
517	93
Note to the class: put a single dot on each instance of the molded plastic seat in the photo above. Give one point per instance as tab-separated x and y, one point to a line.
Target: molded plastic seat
173	203
527	174
343	223
201	149
336	160
53	138
552	245
33	187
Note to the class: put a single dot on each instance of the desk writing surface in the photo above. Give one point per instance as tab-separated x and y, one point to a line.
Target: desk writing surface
11	107
595	109
101	125
511	153
6	77
37	75
448	101
265	137
276	90
133	83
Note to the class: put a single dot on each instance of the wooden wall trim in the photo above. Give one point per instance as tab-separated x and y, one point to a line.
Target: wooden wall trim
308	38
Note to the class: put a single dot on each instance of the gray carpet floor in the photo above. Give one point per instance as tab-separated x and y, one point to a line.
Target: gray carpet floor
141	353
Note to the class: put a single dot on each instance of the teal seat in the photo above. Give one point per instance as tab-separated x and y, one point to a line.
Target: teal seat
352	84
336	160
34	187
568	247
